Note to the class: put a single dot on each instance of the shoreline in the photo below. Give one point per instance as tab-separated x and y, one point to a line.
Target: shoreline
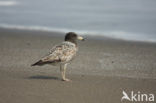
61	33
111	57
101	57
102	70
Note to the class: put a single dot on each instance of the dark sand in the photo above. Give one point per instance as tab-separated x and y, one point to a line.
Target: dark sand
101	71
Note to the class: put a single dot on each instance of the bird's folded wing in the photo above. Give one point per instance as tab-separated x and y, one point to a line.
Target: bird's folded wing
60	53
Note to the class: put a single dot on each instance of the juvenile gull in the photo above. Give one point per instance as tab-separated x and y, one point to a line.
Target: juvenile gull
62	54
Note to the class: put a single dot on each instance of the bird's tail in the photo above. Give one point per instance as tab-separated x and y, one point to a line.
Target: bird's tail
40	62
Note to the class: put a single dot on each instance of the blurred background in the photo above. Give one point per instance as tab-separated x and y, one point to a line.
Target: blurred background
123	19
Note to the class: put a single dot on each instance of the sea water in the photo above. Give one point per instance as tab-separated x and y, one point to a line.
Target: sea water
123	19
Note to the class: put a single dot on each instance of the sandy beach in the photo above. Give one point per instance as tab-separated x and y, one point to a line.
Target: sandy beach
101	71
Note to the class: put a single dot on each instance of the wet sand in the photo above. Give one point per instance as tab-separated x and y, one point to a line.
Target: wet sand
100	72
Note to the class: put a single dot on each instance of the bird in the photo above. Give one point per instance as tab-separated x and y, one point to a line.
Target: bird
62	54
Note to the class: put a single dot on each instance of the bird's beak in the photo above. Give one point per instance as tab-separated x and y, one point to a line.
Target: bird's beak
80	38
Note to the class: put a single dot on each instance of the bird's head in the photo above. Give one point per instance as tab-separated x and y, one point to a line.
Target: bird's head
73	37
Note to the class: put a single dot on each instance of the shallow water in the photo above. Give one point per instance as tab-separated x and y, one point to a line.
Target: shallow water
130	19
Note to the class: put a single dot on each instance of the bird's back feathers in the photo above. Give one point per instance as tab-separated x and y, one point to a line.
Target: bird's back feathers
62	53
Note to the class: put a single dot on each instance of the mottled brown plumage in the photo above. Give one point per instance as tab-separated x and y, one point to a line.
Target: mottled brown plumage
61	54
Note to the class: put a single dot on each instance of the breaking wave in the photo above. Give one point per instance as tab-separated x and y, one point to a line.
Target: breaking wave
111	34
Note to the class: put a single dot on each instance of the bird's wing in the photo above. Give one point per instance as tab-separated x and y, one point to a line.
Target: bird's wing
61	53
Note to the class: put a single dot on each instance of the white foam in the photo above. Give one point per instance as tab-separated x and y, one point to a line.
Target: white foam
112	34
37	28
8	3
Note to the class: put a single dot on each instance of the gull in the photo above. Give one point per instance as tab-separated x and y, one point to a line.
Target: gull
62	54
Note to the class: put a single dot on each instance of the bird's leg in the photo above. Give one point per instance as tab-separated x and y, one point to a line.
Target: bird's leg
63	72
65	67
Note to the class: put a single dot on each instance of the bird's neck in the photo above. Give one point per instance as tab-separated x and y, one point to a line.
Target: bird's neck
72	41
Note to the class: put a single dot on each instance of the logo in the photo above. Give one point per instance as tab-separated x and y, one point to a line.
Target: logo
137	96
